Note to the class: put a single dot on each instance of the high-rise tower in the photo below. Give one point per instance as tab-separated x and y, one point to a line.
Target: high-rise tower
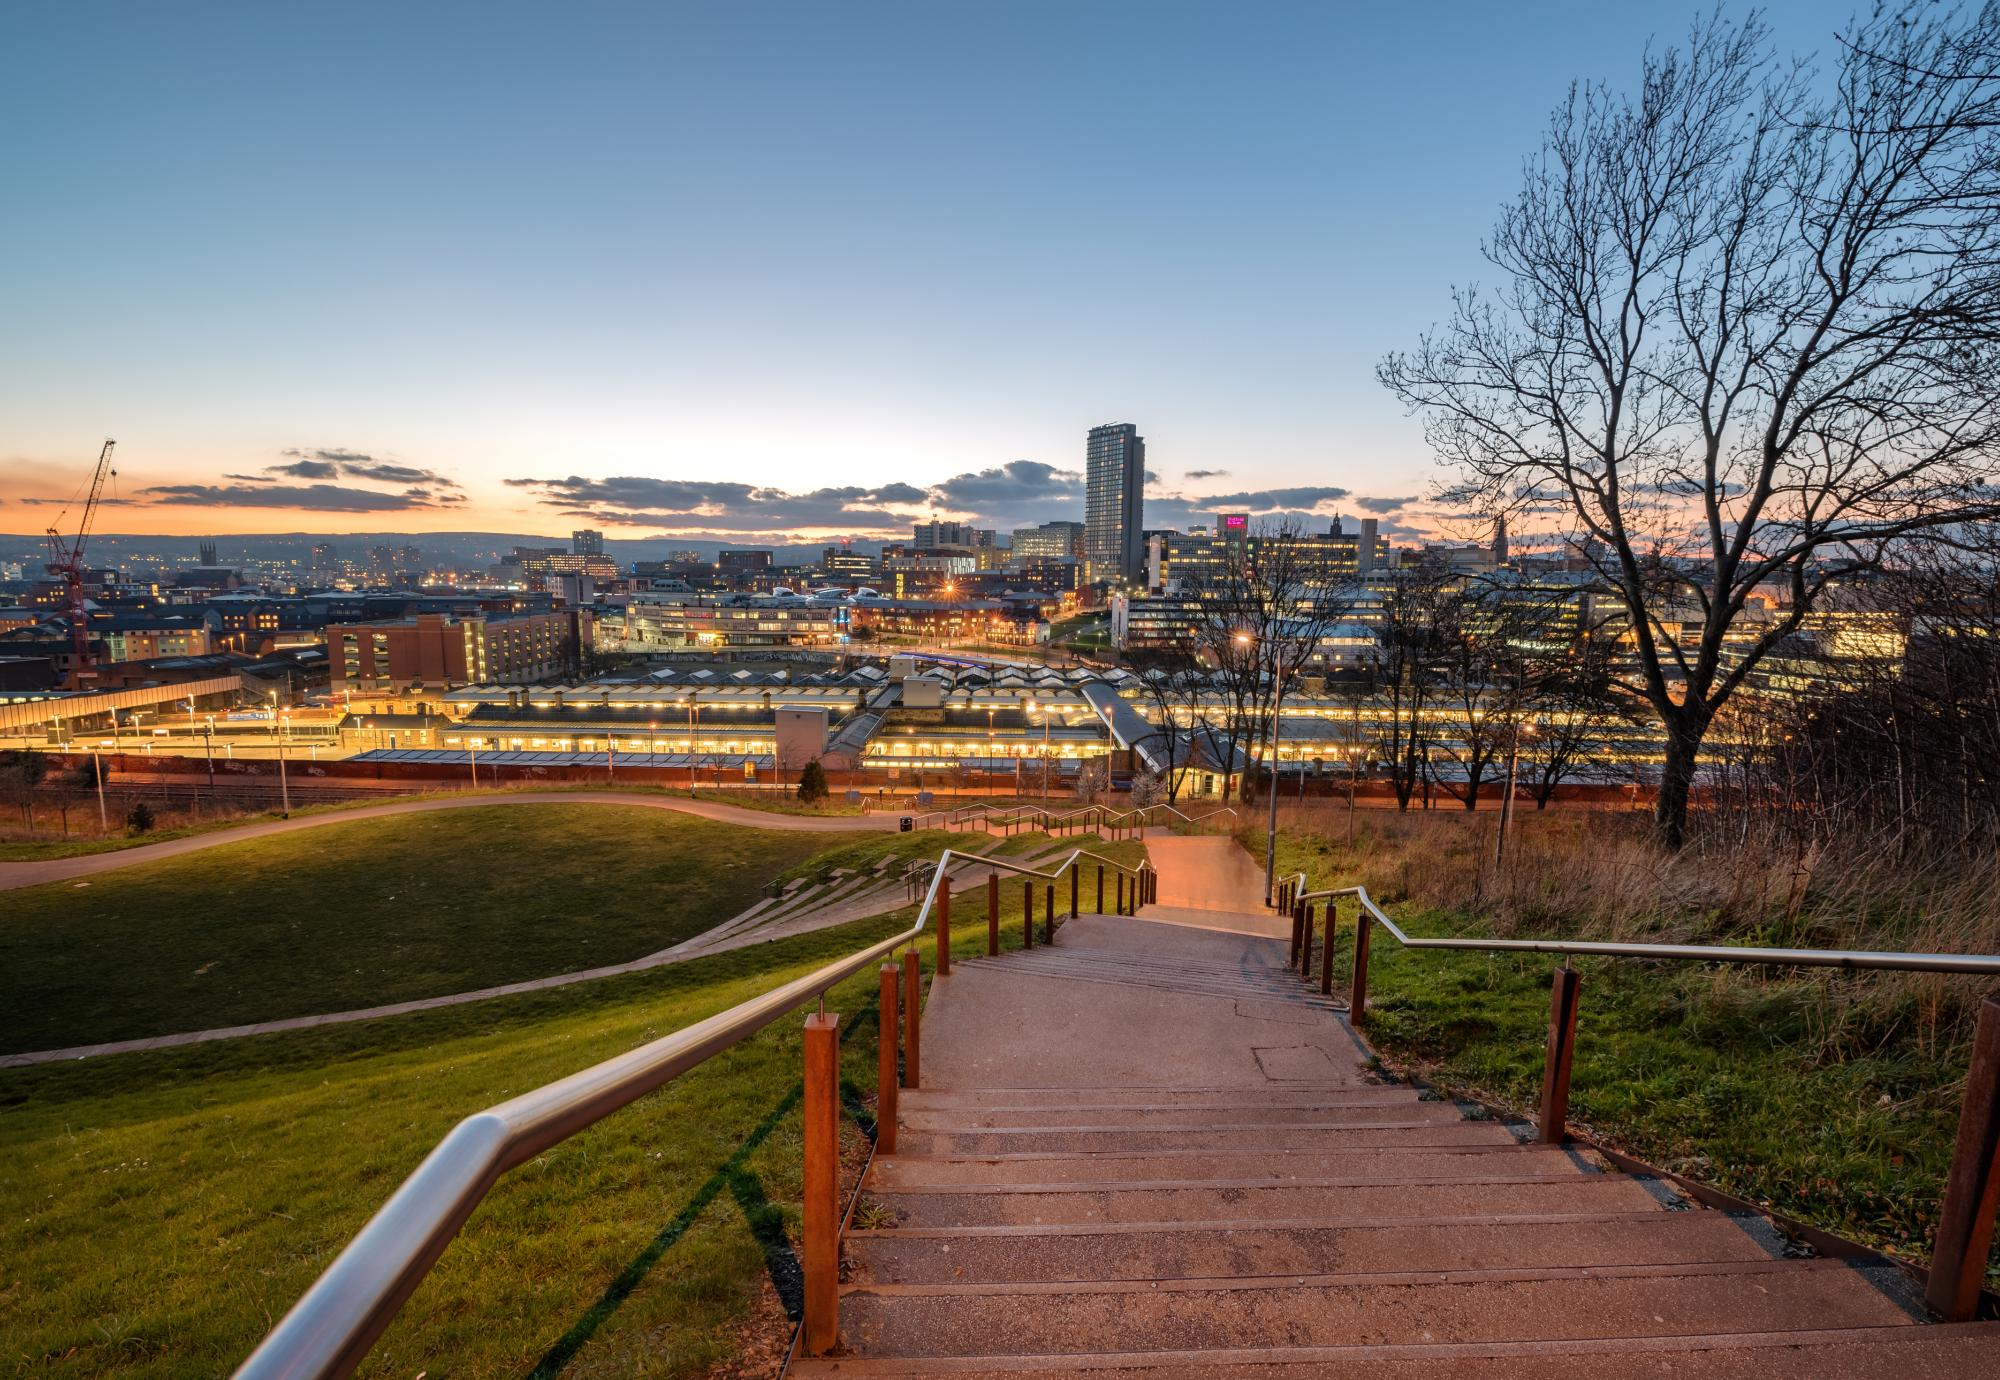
1113	503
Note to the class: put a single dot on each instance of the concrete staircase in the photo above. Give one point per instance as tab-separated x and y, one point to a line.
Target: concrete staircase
1149	1153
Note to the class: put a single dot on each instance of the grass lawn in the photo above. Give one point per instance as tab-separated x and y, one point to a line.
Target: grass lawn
1718	1074
375	911
159	1211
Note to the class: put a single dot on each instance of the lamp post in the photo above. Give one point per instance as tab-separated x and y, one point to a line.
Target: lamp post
472	746
1507	803
97	759
694	724
1042	712
1271	786
208	745
284	784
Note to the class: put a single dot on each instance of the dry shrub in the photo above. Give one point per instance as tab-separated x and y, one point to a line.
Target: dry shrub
1597	874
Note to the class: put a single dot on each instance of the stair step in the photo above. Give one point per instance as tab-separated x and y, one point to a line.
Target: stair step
1227	1136
1223	1200
1384	1162
1959	1352
1277	1095
1397	1308
1172	1251
1235	1116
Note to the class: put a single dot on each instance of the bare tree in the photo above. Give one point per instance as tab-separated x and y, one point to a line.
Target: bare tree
1744	337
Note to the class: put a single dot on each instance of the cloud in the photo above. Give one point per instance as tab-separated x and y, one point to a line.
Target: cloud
1206	474
354	464
1383	505
1304	499
1017	481
640	501
321	498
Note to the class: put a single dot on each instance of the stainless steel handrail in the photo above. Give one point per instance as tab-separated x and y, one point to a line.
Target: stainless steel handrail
334	1323
1988	964
1120	819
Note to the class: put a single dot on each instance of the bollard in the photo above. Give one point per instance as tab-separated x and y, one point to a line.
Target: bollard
1556	1062
1049	913
821	1325
1027	915
992	914
1972	1189
885	1067
1100	888
1326	956
1357	999
913	1016
944	926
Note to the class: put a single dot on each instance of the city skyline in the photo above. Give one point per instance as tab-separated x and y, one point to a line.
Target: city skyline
418	303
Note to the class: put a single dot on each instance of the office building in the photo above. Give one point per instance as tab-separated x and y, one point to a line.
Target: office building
585	542
925	535
1051	541
1114	499
438	650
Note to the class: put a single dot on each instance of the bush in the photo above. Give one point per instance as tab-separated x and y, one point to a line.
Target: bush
139	819
812	783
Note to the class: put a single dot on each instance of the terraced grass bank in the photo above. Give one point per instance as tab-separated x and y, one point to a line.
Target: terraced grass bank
374	911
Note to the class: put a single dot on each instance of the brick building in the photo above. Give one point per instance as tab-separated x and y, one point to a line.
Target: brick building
436	650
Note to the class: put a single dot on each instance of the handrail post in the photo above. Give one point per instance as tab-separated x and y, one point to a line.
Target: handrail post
1049	913
1357	998
1326	958
1121	893
1100	888
993	915
944	924
1972	1190
1075	873
1305	910
1027	915
821	1327
885	1066
1561	1050
913	1017
1297	923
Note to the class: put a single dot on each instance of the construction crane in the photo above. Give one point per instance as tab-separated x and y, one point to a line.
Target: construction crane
66	564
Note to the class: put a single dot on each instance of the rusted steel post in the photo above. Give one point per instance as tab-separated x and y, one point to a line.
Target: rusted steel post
1298	923
1556	1063
1121	893
1027	915
1326	955
885	1066
1357	1000
1100	888
1075	877
944	926
1049	913
913	1017
1306	967
1972	1191
992	914
822	1184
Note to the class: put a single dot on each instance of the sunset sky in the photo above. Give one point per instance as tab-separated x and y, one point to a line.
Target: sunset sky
748	271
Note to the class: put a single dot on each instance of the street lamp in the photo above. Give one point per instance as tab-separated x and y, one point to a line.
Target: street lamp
1271	787
693	703
1507	805
208	744
1043	712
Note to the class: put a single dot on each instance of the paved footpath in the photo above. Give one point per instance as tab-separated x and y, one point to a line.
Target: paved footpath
19	874
1148	1152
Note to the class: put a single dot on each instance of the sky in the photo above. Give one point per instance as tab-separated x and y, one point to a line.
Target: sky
756	271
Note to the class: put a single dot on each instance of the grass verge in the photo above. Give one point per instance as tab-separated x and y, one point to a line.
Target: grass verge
1724	1075
158	1212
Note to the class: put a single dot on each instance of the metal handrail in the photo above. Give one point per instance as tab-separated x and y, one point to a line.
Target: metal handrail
1858	959
1118	819
335	1322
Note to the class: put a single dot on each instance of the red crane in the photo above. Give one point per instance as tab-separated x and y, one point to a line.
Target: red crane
66	564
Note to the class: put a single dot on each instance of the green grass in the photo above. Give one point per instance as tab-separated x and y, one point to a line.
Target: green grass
1718	1074
373	911
158	1212
79	845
